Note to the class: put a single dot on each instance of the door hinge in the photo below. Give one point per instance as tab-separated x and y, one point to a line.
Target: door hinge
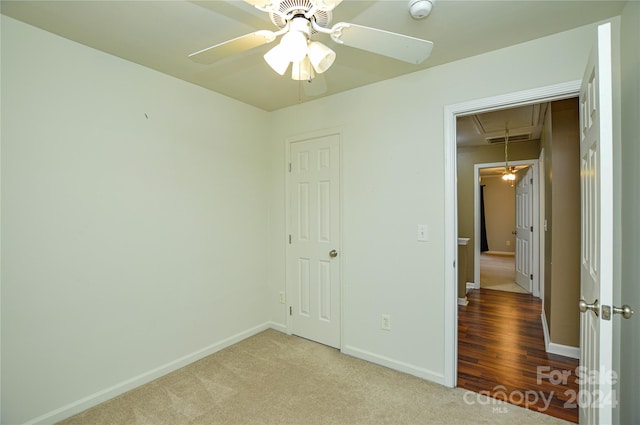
289	239
531	228
531	276
531	180
290	311
289	167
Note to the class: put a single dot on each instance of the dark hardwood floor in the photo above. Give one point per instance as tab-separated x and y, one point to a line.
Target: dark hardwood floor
501	353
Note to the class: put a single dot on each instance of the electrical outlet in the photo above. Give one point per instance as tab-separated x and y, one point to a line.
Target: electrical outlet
385	322
282	298
508	242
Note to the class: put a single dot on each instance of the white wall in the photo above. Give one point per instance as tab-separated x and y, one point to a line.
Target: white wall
393	179
127	242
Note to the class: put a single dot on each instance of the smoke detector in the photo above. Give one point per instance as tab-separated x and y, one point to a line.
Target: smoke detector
420	9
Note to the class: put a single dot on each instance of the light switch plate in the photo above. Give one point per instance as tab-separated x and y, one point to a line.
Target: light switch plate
423	233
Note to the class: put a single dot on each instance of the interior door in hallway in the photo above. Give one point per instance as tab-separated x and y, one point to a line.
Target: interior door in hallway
313	261
524	230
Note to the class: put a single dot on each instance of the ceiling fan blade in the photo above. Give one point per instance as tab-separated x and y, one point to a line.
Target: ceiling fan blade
325	5
397	46
262	4
232	47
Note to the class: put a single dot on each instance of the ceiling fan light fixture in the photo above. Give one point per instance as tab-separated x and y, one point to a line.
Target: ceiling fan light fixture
302	70
297	21
321	56
278	59
295	45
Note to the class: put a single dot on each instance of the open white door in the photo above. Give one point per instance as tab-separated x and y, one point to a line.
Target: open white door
313	265
524	229
596	276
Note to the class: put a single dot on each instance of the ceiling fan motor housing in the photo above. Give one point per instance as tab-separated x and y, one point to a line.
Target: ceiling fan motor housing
294	7
300	24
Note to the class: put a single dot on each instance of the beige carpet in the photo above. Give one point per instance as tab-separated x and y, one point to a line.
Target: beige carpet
498	272
273	378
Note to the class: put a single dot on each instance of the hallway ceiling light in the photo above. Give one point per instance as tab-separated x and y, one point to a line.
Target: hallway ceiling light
509	175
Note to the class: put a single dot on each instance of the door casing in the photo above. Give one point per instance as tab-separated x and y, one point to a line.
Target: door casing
451	112
534	163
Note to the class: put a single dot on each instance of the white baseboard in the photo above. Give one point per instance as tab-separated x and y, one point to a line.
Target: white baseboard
94	399
552	347
505	253
278	327
394	364
471	285
545	330
564	350
122	387
463	301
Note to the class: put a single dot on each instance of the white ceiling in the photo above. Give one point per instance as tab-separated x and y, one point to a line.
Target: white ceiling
160	35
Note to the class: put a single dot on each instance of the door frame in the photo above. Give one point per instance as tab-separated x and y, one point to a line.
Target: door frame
541	222
288	211
451	112
534	163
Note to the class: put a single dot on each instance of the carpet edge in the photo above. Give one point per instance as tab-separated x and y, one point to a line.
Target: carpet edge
94	399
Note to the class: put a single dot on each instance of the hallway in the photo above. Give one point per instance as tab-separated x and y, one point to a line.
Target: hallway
501	352
497	272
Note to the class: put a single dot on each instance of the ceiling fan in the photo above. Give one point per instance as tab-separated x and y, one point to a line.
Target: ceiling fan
297	21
